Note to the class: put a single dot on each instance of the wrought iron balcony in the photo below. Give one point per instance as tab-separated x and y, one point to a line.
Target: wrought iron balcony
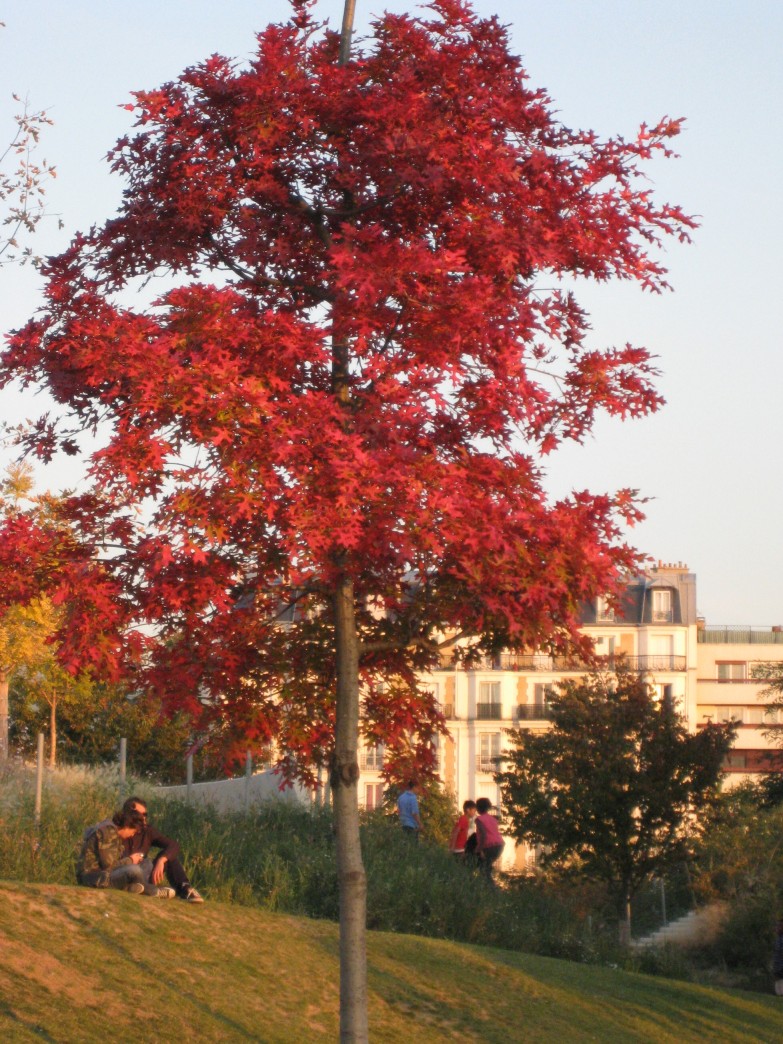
569	664
534	712
489	711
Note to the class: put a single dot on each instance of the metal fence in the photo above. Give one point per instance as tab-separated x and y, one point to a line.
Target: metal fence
714	634
566	664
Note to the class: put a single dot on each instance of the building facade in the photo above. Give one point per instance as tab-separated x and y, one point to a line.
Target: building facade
712	673
731	664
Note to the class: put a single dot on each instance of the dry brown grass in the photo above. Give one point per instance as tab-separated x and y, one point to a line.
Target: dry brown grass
80	966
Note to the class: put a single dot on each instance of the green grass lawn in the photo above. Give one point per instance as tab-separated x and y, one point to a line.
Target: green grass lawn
82	965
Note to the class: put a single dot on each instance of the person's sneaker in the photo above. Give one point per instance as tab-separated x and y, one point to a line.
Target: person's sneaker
164	892
190	895
136	887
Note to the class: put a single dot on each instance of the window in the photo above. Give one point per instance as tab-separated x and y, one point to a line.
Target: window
488	705
371	758
489	692
373	795
542	693
438	750
735	760
489	749
661	605
602	610
664	693
732	670
730	714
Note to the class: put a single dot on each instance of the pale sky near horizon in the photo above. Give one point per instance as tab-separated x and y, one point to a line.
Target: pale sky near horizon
707	459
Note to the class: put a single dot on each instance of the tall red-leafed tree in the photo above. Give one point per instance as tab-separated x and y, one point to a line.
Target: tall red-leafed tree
320	440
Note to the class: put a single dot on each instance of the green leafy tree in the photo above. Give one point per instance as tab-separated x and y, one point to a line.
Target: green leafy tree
93	716
614	788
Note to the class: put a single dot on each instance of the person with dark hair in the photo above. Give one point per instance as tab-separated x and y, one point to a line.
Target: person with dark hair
103	863
464	829
167	861
408	811
489	843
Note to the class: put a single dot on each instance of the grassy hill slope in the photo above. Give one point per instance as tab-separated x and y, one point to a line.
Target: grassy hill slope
81	965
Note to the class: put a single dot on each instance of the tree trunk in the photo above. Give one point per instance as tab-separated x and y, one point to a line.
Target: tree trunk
3	715
53	731
625	918
347	32
350	868
351	877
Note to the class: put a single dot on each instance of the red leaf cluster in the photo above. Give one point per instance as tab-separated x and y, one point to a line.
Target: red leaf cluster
352	372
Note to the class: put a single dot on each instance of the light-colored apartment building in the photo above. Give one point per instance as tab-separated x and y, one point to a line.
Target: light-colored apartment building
729	684
708	671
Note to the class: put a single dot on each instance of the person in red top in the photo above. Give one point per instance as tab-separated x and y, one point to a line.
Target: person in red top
489	844
462	828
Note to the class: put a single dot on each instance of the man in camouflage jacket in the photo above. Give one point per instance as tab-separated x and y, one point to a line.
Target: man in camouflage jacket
102	862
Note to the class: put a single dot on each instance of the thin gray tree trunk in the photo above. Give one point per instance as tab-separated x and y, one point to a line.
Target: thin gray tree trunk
53	731
347	31
350	868
345	769
3	715
625	919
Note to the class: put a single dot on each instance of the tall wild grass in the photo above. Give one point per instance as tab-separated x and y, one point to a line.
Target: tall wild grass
281	857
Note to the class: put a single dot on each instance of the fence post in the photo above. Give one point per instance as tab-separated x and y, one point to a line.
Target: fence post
248	774
39	778
189	778
123	762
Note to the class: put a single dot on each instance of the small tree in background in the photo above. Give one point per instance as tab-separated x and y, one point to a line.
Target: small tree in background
22	182
321	443
29	622
614	789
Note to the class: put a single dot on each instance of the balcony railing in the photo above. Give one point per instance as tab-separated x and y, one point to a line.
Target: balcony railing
371	761
714	634
484	764
565	664
489	711
534	712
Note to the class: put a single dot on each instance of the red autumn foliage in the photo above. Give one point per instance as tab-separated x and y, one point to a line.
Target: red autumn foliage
361	347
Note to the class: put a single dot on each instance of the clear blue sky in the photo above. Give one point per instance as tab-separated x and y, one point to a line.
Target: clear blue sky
709	459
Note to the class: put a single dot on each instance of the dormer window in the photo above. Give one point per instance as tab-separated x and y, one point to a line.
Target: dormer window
661	606
603	611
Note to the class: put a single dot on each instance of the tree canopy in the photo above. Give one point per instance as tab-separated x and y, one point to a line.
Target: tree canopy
613	788
365	351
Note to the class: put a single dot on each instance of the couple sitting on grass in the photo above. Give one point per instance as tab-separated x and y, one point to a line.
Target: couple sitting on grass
115	854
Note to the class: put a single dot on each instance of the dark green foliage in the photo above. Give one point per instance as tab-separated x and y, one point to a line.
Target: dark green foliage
91	723
612	787
740	863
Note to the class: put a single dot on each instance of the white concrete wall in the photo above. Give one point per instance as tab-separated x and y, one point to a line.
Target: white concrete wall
234	795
